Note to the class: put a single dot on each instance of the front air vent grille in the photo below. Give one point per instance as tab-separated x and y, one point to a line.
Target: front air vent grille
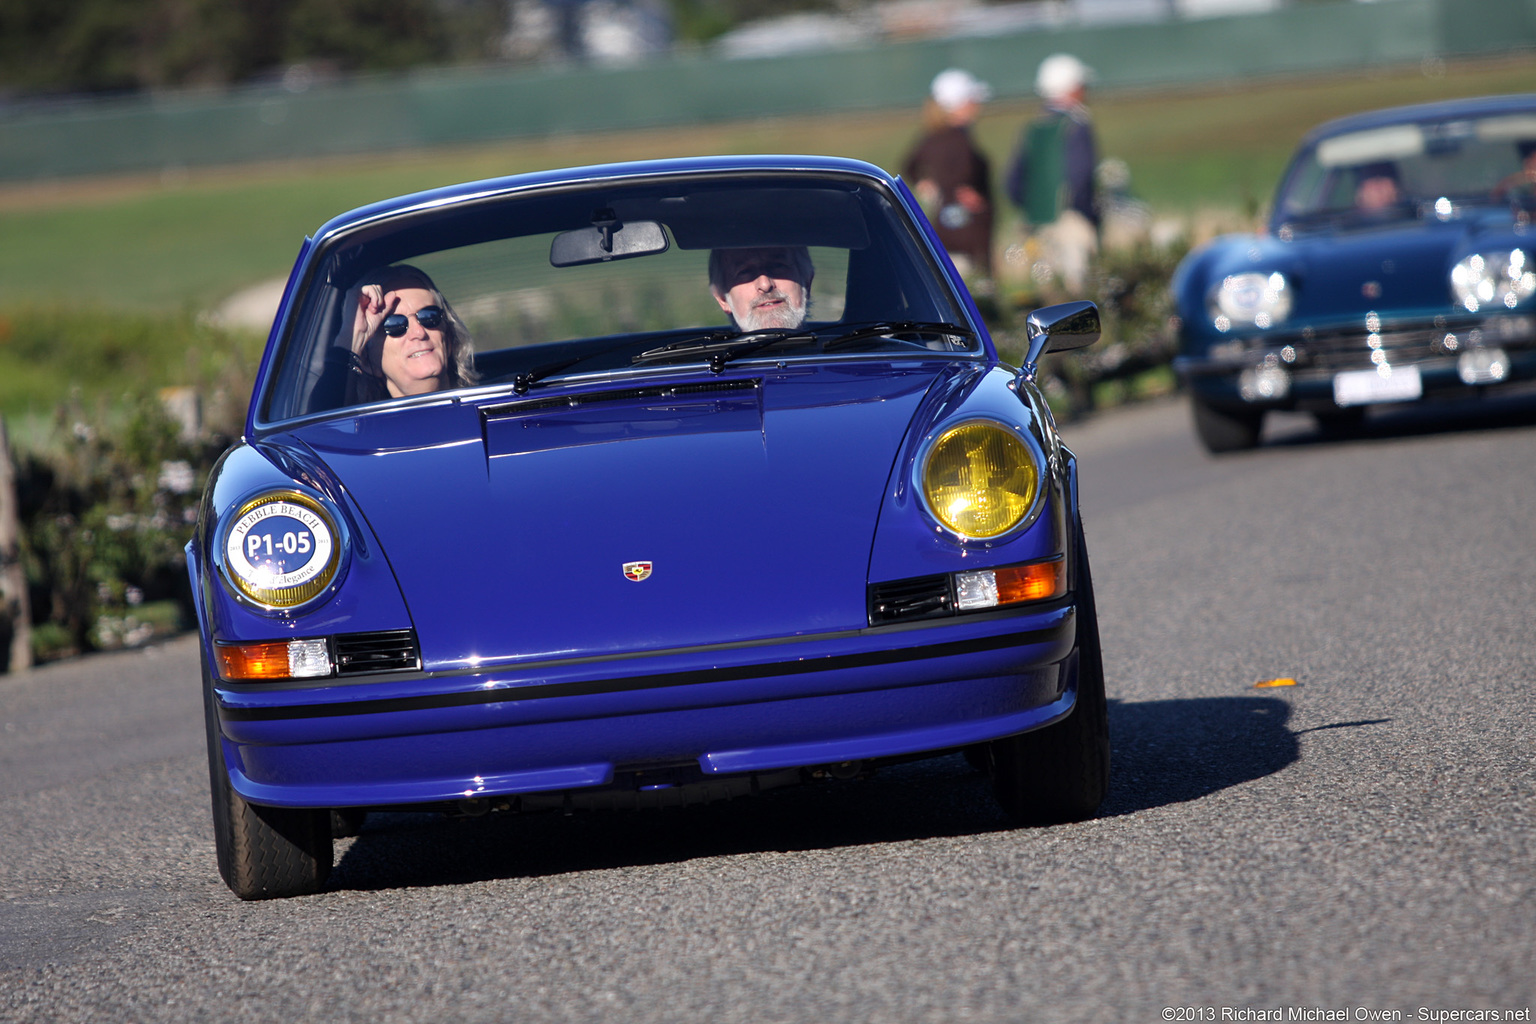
650	394
922	597
710	387
390	650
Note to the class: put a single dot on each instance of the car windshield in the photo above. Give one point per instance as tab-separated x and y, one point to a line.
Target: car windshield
530	289
1403	170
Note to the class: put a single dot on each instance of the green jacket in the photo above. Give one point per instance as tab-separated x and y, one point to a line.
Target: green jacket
1052	167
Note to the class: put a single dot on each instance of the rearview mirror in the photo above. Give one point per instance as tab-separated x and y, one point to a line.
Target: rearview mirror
607	239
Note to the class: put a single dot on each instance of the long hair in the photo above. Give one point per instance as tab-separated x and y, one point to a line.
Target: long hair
460	343
935	117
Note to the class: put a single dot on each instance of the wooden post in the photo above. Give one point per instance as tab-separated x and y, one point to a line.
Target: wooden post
15	607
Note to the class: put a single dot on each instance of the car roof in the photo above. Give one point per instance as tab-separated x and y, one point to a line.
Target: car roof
449	195
1444	110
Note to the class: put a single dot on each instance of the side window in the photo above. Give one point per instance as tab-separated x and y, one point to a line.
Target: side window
1307	190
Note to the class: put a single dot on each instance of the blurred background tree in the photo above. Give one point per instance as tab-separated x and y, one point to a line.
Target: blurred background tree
102	46
64	47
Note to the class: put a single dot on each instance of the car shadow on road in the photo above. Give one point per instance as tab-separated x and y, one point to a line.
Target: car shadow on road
927	799
1174	751
1164	752
1458	416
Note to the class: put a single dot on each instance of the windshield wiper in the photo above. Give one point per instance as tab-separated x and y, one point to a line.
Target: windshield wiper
895	328
523	381
873	329
722	348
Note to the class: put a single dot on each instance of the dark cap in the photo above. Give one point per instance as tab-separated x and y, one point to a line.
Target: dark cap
1379	169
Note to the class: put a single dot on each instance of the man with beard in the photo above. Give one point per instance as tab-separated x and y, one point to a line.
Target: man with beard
766	286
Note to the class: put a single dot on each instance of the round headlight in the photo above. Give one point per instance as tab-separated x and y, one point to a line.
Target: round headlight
281	550
1493	279
980	479
1253	298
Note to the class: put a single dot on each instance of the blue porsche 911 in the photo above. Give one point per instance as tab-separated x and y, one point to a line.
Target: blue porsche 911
630	486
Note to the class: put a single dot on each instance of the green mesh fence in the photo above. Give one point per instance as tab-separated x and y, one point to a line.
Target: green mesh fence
462	106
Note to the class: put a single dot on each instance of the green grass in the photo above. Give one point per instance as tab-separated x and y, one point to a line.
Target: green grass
124	265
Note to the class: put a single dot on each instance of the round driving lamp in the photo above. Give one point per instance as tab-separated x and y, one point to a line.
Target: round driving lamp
280	550
1493	279
980	480
1252	298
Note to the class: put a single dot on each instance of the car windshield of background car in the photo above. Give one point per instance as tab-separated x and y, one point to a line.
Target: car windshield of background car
1461	161
526	315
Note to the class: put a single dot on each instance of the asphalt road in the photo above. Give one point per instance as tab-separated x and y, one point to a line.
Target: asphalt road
1360	842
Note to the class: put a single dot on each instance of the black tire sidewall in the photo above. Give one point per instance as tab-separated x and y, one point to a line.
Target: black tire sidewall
1060	773
1221	430
263	852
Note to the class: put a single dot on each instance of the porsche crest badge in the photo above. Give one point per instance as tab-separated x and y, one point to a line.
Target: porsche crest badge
637	571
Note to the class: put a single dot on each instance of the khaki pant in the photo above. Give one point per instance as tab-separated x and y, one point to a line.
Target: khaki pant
1063	249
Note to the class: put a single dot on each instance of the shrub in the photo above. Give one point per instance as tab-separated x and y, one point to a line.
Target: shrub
108	482
1131	360
105	513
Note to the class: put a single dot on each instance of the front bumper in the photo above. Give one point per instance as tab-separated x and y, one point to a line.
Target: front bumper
1245	372
580	723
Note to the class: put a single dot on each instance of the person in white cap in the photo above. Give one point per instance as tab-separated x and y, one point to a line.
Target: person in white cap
951	177
1051	176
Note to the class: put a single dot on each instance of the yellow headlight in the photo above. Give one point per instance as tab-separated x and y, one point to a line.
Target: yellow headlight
980	479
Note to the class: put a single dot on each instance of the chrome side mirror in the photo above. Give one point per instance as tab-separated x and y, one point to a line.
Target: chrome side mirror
1059	328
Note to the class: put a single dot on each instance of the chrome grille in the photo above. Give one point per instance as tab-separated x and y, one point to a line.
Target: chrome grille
1354	347
1352	351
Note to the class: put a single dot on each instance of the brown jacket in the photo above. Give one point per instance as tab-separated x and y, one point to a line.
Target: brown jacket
947	157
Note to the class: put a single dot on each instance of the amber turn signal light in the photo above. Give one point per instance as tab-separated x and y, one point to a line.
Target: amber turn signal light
1031	582
1013	584
283	659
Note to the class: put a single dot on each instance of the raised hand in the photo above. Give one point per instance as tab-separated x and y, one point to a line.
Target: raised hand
372	307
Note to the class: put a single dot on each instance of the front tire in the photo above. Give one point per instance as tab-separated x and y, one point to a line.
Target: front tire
263	852
1222	431
1060	773
1344	423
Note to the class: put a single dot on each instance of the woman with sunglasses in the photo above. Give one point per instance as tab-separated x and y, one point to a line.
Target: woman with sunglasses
406	339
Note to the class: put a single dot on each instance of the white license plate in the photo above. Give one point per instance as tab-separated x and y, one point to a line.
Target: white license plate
1363	387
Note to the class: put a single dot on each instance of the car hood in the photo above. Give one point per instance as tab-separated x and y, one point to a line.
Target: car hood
1344	274
749	504
1396	269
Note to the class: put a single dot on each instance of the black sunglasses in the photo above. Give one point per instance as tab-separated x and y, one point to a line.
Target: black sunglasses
430	317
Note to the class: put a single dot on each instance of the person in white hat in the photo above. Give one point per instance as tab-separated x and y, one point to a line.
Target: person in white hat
951	177
1051	176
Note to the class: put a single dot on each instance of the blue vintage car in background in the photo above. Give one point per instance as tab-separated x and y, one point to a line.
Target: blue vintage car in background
1398	265
631	486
